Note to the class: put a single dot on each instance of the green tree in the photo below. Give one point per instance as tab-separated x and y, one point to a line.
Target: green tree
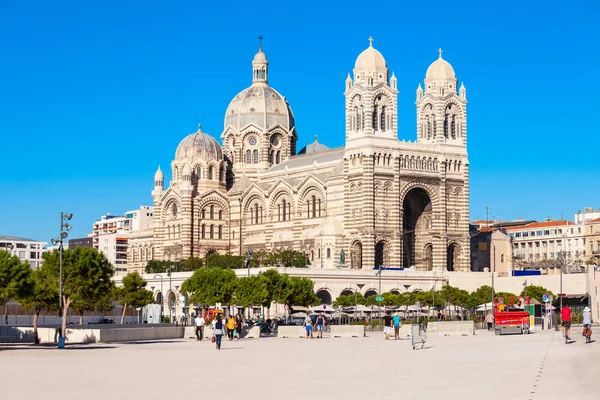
216	260
133	293
44	296
252	291
296	291
157	267
536	292
210	286
15	278
482	295
189	264
86	277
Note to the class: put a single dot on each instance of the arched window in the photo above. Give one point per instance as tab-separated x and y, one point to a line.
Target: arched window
328	252
284	210
210	173
204	213
319	206
256	214
382	123
319	252
220	214
278	212
271	156
453	127
198	172
212	212
255	156
314	206
248	157
212	231
502	258
428	127
220	231
203	233
221	174
277	157
446	126
312	255
375	119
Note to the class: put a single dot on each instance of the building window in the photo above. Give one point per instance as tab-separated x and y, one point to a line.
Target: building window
210	173
220	214
502	258
212	231
284	210
212	212
204	213
221	174
328	252
277	157
248	157
314	206
220	231
203	234
255	156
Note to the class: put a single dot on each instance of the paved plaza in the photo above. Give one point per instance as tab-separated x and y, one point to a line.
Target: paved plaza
482	367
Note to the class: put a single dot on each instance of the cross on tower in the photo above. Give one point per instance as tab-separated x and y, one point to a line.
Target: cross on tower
370	41
260	39
440	51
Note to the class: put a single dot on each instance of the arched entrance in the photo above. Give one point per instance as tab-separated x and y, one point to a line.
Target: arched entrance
356	255
324	296
379	254
451	257
159	298
347	292
429	256
395	291
416	224
370	292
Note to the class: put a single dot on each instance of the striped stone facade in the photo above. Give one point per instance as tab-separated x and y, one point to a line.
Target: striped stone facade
376	201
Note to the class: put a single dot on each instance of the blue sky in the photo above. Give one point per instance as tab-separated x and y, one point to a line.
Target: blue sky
95	95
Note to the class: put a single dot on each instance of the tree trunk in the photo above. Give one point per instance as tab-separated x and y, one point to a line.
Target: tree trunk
123	315
66	304
36	315
81	318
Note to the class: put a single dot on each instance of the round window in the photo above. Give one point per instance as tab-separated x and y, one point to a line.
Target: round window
275	141
252	141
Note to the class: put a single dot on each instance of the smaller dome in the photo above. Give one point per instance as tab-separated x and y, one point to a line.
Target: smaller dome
440	69
199	145
158	176
260	57
370	58
314	147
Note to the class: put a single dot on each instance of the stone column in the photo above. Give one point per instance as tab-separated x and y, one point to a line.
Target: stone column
368	210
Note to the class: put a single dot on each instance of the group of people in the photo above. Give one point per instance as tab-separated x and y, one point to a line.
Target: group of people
565	316
319	324
231	326
388	321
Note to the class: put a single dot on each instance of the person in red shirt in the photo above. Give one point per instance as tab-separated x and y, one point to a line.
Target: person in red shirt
565	316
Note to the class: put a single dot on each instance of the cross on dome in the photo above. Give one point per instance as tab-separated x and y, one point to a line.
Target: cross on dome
260	39
370	41
199	127
440	51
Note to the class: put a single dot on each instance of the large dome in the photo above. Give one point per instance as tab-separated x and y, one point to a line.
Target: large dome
199	145
260	105
440	69
371	58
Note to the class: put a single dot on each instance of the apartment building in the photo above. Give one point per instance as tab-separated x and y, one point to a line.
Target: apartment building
26	249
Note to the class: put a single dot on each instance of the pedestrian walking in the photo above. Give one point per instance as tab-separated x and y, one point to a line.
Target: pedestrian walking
199	324
308	326
230	327
320	324
239	325
489	320
218	331
397	324
387	326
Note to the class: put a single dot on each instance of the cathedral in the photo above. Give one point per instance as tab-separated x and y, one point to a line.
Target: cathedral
377	201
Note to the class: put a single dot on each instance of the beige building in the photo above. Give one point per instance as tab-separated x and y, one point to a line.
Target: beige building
592	239
376	201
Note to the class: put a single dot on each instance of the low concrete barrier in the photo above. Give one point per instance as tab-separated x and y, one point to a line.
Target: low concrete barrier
24	334
347	330
286	331
452	328
252	332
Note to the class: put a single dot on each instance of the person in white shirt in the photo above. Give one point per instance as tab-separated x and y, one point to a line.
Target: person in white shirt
199	323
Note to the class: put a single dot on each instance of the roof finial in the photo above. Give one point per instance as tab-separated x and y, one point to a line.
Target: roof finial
440	51
316	138
199	127
370	41
260	39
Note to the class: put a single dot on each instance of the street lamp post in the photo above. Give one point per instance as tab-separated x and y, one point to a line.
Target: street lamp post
170	293
379	293
360	286
64	228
